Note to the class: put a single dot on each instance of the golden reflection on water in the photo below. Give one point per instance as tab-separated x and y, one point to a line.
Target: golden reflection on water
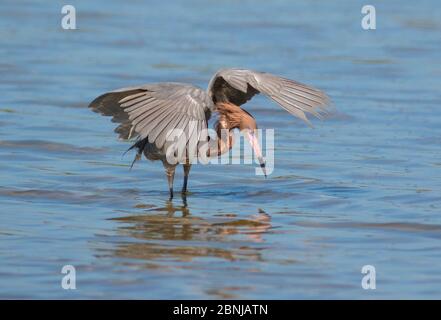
173	233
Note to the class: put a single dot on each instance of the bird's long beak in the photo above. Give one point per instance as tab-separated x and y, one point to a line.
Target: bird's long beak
257	151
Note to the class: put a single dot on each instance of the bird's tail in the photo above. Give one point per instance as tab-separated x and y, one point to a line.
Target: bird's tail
139	145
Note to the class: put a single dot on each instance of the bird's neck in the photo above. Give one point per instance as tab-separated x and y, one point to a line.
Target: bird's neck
225	139
224	135
231	117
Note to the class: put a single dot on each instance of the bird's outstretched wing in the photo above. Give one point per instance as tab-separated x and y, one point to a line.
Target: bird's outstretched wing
154	110
240	85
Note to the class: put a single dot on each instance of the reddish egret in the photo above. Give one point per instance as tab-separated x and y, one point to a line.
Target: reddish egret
151	112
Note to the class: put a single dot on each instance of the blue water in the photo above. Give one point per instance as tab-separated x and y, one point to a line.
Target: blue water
361	188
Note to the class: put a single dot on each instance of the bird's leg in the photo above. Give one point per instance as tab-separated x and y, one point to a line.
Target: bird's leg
187	167
170	172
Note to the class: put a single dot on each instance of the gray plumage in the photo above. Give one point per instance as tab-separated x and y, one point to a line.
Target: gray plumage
153	109
149	112
240	85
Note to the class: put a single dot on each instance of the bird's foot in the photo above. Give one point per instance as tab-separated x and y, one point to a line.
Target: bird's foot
184	198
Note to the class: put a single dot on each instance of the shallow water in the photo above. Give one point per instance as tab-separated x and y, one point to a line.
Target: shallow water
362	188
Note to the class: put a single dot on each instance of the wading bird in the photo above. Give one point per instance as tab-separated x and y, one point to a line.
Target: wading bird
153	113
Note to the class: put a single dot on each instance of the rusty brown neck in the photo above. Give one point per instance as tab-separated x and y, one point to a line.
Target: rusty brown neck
231	117
224	132
227	121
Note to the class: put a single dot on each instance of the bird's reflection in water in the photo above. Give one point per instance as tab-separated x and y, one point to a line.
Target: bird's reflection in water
171	232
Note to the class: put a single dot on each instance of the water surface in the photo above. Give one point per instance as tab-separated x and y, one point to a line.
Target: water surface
362	188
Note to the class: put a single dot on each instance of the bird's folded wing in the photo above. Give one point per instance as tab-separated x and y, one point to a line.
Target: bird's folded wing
240	85
153	111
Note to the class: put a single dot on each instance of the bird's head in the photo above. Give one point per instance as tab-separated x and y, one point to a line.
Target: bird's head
239	118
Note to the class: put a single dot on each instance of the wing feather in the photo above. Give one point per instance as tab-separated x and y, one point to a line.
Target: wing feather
138	105
158	125
134	102
239	85
133	96
165	133
152	111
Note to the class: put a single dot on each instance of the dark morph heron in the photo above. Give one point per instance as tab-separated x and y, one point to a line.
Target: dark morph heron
153	113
